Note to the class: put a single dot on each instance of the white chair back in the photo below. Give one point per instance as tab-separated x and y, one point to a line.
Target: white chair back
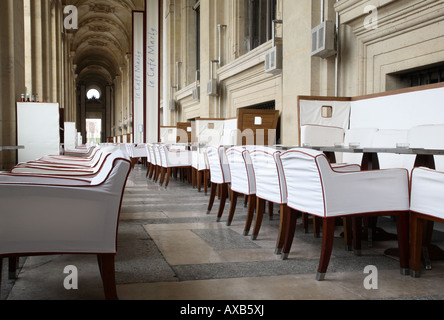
270	182
316	188
363	136
241	171
152	154
428	137
157	155
199	159
304	187
102	175
218	164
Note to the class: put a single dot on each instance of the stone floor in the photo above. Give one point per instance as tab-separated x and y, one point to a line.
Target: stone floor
169	249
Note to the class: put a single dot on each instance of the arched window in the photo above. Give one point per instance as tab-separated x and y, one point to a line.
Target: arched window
93	94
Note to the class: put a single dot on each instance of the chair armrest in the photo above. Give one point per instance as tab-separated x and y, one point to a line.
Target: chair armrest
42	180
344	167
365	191
427	189
52	171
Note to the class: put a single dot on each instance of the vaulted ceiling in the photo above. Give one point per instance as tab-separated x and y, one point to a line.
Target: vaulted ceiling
103	38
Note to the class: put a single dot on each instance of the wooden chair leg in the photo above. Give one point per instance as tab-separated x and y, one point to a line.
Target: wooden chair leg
233	205
156	174
250	213
289	233
317	226
212	197
193	178
403	242
305	221
427	239
12	267
199	180
282	228
107	271
357	234
1	272
148	171
327	247
152	170
260	208
245	201
223	199
416	239
162	175
206	178
348	234
168	177
270	210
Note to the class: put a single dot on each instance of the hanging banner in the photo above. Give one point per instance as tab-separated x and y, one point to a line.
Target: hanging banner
138	77
152	34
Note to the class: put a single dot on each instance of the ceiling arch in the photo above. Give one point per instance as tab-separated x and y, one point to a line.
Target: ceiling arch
102	41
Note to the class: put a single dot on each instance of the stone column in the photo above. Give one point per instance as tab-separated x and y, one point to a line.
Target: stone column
118	105
108	123
36	47
46	51
83	112
297	59
12	74
208	52
129	90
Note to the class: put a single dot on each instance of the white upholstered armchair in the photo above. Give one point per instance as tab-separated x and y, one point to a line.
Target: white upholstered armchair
242	182
53	215
136	152
219	177
172	159
427	207
200	169
270	186
316	188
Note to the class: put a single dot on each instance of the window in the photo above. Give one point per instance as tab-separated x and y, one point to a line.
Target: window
93	94
259	16
420	76
424	77
93	131
196	9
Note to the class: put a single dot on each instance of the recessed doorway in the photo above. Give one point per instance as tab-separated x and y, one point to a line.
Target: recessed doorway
93	131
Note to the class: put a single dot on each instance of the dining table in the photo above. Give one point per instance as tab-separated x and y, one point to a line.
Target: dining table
370	161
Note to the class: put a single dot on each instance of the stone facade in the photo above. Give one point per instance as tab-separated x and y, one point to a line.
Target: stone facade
378	42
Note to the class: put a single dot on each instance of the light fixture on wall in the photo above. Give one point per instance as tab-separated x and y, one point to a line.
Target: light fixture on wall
212	86
178	65
196	90
219	29
141	132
